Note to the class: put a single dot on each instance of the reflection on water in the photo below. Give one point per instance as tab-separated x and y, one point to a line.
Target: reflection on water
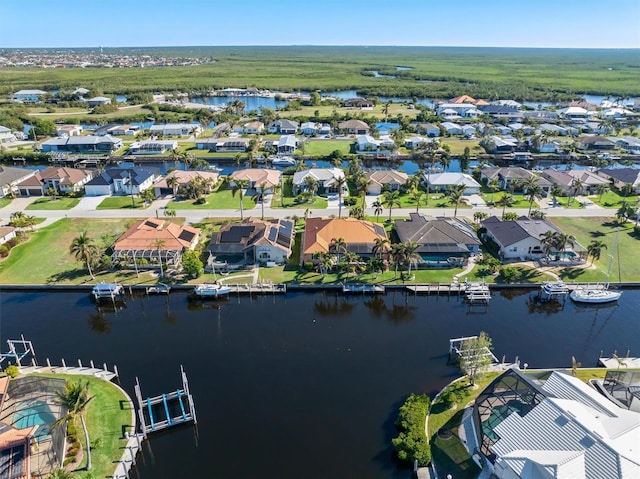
264	368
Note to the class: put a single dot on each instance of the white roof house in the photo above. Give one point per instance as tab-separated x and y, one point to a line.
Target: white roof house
325	177
176	129
452	128
447	180
573	433
6	135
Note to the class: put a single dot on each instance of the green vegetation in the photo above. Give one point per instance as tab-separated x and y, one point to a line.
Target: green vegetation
4	201
121	202
49	203
218	200
106	416
411	444
326	147
613	199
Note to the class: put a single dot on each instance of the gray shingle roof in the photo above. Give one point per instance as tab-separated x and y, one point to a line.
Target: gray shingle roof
449	235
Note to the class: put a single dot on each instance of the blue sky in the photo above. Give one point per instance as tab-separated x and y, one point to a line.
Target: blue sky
499	23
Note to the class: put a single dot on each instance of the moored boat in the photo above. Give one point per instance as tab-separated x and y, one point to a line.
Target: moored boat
555	287
284	161
159	288
107	291
211	290
595	295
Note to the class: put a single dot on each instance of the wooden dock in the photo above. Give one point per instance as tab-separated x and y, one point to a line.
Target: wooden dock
257	288
362	288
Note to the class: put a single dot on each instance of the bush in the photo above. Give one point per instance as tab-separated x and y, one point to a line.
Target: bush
411	443
12	371
4	251
308	265
349	201
509	274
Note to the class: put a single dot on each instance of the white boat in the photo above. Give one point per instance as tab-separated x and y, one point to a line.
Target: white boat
159	288
595	295
555	288
211	290
107	291
284	161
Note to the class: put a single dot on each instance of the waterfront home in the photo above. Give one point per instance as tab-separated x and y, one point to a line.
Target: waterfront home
359	236
253	128
283	127
500	112
383	180
237	145
152	147
68	130
287	145
526	129
256	178
566	181
60	179
595	127
183	180
176	129
552	425
540	115
451	128
256	241
155	239
511	103
551	129
630	144
354	127
125	181
622	176
7	136
358	103
447	180
595	142
28	96
519	239
310	128
457	110
325	178
469	131
511	178
466	99
10	177
367	144
98	101
439	239
615	113
83	144
416	142
124	130
574	113
428	129
7	233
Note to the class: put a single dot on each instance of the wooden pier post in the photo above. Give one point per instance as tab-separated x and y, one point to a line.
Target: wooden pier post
64	365
115	370
48	363
79	363
91	363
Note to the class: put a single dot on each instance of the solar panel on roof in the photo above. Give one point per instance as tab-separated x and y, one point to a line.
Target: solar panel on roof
151	224
186	235
236	233
273	233
286	228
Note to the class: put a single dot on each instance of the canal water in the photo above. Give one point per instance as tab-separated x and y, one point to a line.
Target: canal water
304	384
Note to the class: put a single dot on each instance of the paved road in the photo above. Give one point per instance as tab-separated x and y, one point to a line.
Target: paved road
87	209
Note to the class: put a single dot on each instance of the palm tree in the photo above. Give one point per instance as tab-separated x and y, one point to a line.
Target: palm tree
377	209
172	182
478	216
595	249
547	240
493	185
531	189
410	255
391	199
75	399
455	196
576	187
85	250
311	185
259	196
563	240
601	189
505	201
239	186
380	248
397	255
340	183
417	195
158	243
338	246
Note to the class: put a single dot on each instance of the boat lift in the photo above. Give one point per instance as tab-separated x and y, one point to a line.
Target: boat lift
166	410
24	349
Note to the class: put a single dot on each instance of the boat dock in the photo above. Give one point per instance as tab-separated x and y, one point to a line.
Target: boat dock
111	291
257	288
456	349
362	288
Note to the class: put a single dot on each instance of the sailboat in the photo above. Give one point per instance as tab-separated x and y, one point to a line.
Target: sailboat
599	295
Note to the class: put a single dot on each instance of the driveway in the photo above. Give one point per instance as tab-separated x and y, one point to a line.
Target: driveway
89	203
476	201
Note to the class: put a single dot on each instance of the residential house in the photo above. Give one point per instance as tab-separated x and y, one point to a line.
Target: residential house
10	177
615	113
540	115
358	103
68	130
630	144
551	129
382	180
61	179
501	111
549	146
622	176
501	145
125	181
512	178
354	127
253	128
287	145
152	147
416	142
511	103
7	233
503	130
176	129
595	143
590	181
283	127
446	181
183	179
80	92
526	129
457	110
555	425
367	144
237	145
442	242
155	239
359	236
124	130
466	99
310	128
428	129
29	96
452	128
596	128
98	101
6	136
574	113
83	144
325	178
257	241
519	239
469	131
257	177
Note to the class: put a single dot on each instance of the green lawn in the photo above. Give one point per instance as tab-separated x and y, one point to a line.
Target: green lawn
48	203
318	203
611	199
218	200
107	416
121	202
4	201
325	147
519	201
587	229
45	257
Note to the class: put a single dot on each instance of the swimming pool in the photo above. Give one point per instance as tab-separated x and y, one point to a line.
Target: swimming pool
34	413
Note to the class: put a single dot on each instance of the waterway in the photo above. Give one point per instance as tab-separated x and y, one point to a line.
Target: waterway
305	384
